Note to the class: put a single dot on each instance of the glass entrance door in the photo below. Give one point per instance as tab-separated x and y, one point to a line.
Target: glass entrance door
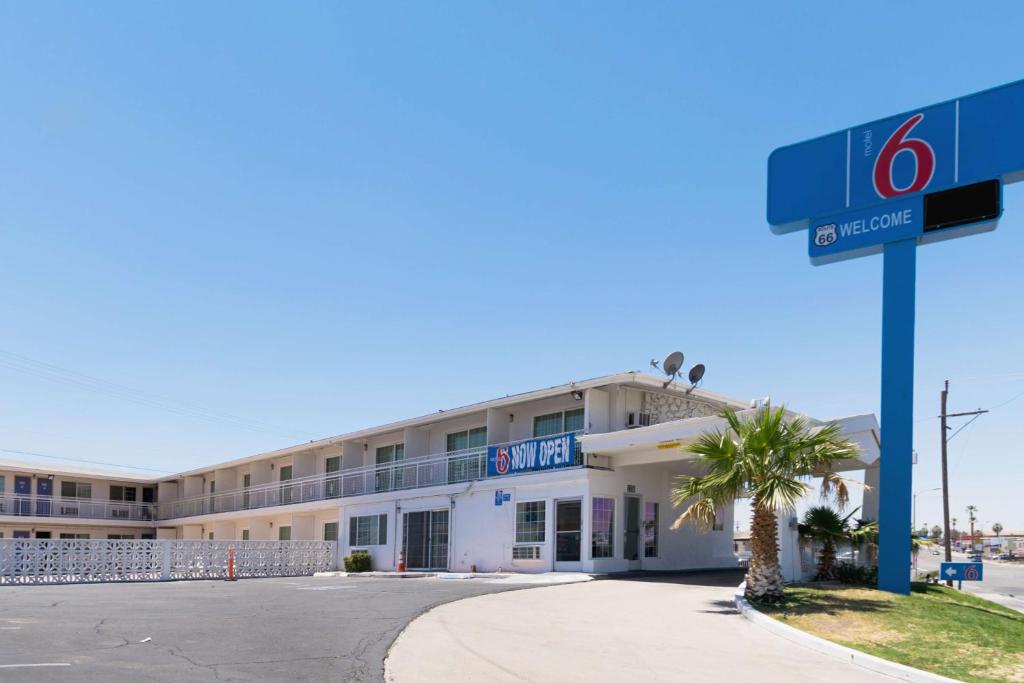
568	534
631	544
425	539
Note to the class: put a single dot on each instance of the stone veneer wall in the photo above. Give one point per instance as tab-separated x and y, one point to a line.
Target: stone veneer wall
665	408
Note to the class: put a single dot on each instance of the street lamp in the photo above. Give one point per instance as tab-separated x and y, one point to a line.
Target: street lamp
914	523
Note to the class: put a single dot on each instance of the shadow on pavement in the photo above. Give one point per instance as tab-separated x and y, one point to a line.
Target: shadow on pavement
718	577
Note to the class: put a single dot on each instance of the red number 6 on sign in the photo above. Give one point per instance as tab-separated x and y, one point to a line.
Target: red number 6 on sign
924	161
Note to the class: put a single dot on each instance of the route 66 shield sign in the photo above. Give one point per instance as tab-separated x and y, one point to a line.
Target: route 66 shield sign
825	235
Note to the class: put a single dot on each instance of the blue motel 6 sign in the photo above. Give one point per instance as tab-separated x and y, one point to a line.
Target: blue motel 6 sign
532	455
925	175
961	571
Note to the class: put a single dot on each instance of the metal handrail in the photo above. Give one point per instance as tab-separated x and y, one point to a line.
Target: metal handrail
418	472
20	505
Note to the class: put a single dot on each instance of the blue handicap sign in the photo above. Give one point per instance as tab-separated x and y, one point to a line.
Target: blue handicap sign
961	571
498	497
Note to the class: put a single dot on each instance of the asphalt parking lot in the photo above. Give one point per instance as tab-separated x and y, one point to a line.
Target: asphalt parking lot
295	629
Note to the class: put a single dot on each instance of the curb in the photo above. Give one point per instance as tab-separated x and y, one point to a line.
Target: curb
377	575
827	647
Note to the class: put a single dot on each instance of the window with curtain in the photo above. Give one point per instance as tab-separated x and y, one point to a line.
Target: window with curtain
287	491
466	466
573	420
368	530
384	480
602	515
123	493
469	438
332	466
557	423
546	425
72	489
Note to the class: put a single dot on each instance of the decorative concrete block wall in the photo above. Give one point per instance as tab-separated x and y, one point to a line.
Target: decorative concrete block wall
665	408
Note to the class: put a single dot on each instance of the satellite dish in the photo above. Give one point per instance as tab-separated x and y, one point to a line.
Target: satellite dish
673	363
696	373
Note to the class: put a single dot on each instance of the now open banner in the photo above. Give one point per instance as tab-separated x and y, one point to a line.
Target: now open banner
532	455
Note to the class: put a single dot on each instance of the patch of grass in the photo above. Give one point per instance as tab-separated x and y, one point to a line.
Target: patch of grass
935	628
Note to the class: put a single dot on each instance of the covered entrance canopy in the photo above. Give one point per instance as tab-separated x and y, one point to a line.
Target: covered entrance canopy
663	442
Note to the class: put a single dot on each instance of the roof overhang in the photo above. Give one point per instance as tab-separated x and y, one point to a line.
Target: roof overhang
663	442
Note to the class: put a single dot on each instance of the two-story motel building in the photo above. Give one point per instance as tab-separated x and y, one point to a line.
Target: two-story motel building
575	477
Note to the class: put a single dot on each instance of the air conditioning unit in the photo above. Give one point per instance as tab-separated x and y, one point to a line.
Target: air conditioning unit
526	552
637	419
68	511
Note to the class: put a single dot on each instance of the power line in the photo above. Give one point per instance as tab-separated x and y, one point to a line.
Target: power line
964	426
90	462
66	377
1008	401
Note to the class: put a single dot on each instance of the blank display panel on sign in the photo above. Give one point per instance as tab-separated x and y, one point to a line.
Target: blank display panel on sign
961	205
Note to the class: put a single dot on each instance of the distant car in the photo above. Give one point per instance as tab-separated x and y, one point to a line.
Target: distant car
976	557
935	551
1003	556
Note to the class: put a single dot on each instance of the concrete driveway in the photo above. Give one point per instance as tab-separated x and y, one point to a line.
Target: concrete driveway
655	629
294	629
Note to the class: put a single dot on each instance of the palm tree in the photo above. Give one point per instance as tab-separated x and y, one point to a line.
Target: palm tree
823	524
866	534
972	518
765	457
916	543
997	529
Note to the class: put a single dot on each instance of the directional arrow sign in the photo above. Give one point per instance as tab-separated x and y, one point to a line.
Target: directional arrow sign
962	571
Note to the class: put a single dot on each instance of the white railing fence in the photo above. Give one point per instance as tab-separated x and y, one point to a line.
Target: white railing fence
78	508
419	472
31	561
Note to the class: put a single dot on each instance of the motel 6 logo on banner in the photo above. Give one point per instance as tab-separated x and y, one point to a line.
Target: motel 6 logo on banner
903	155
501	460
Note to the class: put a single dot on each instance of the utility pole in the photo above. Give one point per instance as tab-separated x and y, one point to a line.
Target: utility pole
945	474
945	480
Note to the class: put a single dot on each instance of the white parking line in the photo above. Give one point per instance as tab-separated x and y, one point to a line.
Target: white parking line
29	666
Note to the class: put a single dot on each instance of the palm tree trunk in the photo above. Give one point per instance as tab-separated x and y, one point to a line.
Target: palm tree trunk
764	579
827	562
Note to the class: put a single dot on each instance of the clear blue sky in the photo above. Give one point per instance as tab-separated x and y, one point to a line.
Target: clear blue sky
324	217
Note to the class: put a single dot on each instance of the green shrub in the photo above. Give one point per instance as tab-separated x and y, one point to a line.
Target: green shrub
848	572
358	562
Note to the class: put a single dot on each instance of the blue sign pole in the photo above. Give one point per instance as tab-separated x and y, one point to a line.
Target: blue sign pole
899	267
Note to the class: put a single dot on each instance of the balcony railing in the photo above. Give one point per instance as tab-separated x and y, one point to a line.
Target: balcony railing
448	468
75	508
